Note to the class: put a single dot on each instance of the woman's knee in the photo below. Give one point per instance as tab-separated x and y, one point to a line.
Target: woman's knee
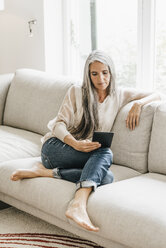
46	161
48	153
107	154
51	145
109	178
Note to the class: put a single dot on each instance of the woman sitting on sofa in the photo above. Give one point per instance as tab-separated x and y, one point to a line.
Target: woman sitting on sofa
68	152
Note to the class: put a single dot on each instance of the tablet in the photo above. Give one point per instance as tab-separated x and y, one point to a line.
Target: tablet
104	138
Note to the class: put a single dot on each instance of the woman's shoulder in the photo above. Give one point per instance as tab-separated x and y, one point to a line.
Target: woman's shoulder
76	89
75	94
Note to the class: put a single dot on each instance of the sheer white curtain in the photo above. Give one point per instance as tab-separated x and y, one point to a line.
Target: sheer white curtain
76	35
160	76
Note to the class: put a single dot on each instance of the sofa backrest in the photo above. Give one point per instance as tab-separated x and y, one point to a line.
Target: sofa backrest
5	81
157	149
33	99
130	148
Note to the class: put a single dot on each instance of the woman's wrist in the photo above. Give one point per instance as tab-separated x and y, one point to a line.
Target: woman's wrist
138	103
71	141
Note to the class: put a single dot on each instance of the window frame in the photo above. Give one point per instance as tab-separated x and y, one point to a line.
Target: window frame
146	44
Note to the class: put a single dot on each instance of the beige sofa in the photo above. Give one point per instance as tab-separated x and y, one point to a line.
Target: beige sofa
131	212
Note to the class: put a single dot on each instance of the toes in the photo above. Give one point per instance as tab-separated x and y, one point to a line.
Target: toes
96	229
14	178
68	214
90	227
81	218
82	223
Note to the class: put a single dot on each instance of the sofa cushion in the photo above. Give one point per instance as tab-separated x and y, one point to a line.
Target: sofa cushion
44	197
121	172
130	148
157	149
16	143
47	192
134	208
5	80
132	212
33	99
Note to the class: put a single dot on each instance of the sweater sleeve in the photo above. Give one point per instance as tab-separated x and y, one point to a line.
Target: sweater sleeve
162	96
127	95
65	117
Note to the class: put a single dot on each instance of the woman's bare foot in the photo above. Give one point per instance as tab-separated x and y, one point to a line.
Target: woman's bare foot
37	171
77	212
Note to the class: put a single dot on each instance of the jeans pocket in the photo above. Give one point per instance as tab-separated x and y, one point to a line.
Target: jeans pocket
46	162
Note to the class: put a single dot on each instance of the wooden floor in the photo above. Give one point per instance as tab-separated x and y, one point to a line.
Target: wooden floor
4	205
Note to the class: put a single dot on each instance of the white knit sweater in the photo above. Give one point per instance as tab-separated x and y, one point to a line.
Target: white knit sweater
71	111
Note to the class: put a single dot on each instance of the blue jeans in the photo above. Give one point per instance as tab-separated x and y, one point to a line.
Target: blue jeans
85	169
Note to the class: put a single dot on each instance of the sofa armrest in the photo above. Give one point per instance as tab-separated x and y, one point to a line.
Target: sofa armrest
5	81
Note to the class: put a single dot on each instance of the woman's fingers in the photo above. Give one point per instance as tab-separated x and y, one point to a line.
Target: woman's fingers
92	146
88	146
132	121
127	122
137	120
133	116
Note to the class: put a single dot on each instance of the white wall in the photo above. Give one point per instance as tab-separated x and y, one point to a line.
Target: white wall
43	51
17	49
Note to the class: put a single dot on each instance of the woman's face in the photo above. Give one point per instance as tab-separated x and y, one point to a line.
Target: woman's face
100	75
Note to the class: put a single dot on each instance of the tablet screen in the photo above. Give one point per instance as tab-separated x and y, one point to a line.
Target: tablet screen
104	138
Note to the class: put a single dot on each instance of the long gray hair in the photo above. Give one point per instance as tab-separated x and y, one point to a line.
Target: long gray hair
90	119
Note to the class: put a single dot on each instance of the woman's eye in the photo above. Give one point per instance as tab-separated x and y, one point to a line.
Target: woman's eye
94	73
105	72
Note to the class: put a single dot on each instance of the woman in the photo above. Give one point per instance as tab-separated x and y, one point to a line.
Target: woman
68	151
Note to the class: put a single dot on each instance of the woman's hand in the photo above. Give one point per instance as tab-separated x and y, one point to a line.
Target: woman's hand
81	145
133	116
86	145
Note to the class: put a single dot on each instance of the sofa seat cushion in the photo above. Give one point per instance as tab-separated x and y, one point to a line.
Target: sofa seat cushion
121	172
49	194
132	212
17	143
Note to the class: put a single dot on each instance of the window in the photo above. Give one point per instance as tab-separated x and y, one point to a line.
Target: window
77	35
160	77
117	34
91	30
124	29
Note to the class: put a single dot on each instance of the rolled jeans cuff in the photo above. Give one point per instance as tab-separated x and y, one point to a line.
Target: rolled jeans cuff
86	184
56	173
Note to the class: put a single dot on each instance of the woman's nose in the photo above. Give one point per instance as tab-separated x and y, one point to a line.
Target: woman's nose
101	77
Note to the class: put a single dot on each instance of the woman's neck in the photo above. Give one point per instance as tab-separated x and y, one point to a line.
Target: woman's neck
102	96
